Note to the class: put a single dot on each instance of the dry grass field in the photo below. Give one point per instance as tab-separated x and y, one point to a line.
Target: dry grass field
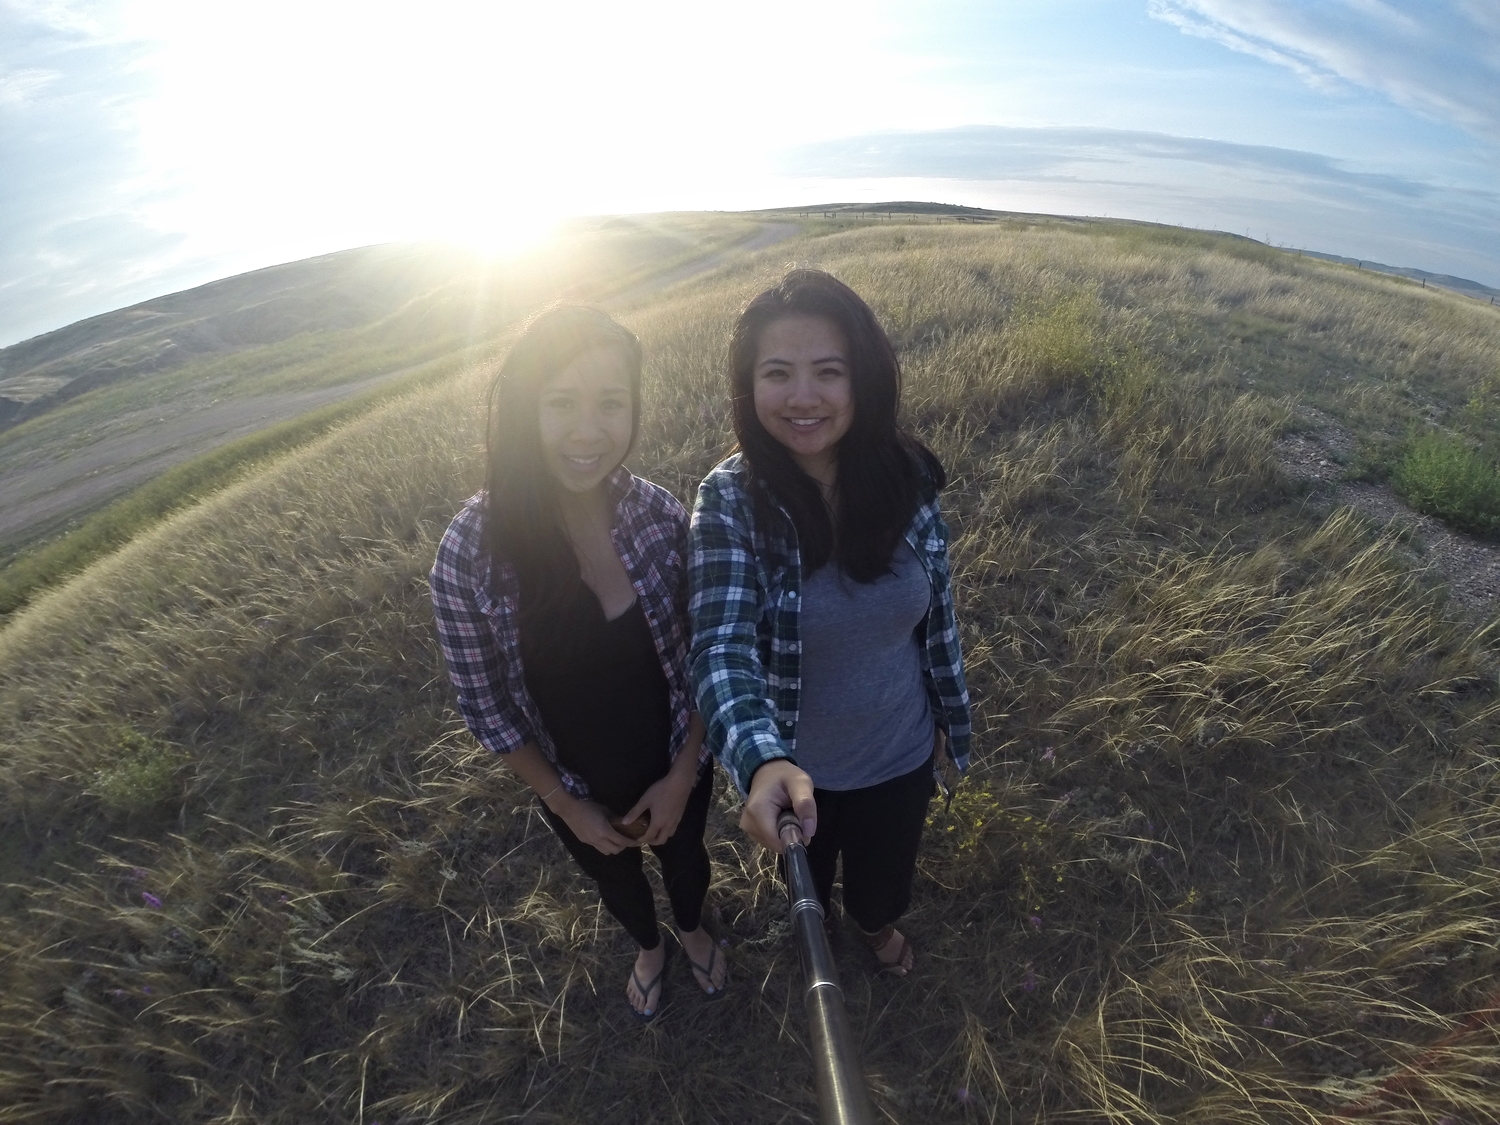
1228	852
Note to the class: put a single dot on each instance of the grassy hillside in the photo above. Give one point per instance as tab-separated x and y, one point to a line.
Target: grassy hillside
331	305
315	342
1228	853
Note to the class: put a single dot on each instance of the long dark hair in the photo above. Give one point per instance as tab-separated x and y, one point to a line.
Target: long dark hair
522	526
883	472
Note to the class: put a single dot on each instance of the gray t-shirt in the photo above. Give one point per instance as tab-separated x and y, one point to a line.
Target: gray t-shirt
864	716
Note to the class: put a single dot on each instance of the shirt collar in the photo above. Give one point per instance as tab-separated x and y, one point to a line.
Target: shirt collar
618	485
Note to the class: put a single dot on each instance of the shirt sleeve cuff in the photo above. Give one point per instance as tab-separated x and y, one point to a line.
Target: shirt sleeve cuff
958	751
501	741
753	753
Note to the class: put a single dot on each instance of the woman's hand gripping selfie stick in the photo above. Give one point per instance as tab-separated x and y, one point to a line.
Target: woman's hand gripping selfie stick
842	1094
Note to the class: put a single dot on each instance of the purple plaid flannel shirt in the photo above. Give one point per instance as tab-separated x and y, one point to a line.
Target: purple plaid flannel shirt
480	635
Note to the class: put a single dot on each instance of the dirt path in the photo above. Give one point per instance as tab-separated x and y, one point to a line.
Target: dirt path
49	489
38	496
1470	568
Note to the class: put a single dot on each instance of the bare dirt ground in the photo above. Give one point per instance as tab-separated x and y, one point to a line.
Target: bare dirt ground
39	495
1468	567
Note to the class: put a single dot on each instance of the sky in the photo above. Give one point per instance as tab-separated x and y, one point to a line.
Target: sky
150	145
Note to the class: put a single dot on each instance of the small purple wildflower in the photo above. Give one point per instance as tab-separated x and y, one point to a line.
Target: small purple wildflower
1028	982
1061	801
962	1094
146	988
1036	921
151	900
117	993
283	898
1049	754
1269	1021
724	943
137	873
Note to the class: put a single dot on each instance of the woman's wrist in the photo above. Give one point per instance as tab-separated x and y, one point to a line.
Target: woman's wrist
683	782
685	767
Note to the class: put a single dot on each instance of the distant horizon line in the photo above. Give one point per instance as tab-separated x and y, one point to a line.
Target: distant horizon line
1461	286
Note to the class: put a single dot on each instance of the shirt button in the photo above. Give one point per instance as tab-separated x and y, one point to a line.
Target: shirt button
794	647
791	593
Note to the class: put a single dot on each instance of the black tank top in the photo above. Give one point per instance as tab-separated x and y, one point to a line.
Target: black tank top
604	698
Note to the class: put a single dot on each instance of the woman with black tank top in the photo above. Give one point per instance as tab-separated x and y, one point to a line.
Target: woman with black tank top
825	653
559	594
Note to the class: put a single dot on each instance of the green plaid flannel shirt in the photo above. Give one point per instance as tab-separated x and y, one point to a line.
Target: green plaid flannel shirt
744	586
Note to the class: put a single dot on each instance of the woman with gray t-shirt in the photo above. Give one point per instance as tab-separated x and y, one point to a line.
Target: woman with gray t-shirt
825	656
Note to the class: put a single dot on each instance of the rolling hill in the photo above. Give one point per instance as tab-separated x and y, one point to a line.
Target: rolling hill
1228	852
167	400
349	289
436	290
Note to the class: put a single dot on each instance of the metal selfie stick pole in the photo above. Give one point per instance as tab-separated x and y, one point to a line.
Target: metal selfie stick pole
842	1094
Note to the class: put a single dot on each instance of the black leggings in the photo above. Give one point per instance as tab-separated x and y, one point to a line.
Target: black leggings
622	881
878	830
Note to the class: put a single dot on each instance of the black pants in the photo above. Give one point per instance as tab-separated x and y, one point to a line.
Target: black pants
877	830
622	881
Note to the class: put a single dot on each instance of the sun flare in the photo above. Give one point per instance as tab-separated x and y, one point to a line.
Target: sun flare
483	123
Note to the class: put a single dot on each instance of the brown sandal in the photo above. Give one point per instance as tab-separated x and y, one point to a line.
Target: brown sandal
905	956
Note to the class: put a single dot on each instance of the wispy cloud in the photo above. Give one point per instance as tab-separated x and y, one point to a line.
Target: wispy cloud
71	183
150	144
1000	152
66	16
1294	198
1440	57
20	86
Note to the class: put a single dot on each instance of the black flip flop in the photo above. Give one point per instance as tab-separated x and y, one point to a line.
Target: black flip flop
708	973
645	990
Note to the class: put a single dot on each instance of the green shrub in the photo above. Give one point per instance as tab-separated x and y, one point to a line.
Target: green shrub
1440	475
143	775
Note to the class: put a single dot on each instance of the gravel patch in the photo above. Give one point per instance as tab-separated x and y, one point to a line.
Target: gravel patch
1468	567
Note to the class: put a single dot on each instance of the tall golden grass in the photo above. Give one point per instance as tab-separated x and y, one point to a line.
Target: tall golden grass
1228	852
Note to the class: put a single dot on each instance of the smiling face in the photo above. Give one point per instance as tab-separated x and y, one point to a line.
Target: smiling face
586	415
804	396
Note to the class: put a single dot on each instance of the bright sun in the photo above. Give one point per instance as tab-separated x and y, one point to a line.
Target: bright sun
484	121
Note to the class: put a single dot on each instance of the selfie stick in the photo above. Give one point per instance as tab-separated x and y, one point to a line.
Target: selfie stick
842	1094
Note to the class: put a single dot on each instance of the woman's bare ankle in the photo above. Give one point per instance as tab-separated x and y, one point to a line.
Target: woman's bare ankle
890	947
